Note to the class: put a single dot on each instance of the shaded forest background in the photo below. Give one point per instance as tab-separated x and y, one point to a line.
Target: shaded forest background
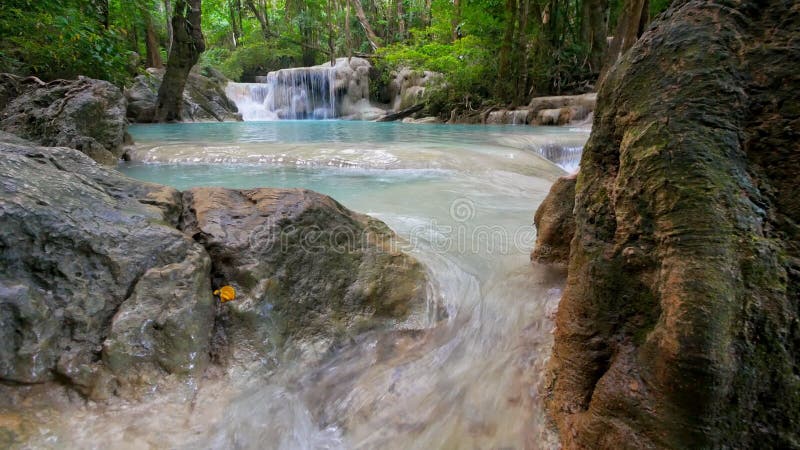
490	51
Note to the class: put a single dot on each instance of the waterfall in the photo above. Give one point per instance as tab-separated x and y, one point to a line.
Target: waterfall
301	93
317	92
565	156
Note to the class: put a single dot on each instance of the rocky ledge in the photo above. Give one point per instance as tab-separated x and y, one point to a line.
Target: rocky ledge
106	282
84	114
680	325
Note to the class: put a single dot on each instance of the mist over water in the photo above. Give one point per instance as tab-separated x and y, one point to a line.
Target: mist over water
463	199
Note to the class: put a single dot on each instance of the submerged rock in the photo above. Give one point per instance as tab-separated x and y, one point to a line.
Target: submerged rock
679	326
306	270
555	223
84	114
204	97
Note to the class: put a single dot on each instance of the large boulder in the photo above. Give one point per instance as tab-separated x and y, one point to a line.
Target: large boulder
679	326
84	114
85	253
307	271
204	97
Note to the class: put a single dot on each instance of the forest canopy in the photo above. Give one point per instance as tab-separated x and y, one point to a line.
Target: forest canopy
490	51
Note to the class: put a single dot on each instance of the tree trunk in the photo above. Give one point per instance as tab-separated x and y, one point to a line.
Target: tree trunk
373	39
348	39
401	21
632	21
504	81
331	51
153	56
186	49
426	13
521	88
168	17
234	11
594	30
260	12
456	19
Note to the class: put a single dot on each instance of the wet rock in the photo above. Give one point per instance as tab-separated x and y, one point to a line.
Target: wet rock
307	271
84	114
555	223
80	245
679	323
204	97
165	325
508	117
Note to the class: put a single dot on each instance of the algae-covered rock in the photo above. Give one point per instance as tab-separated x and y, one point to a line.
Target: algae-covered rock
679	323
306	270
84	114
80	244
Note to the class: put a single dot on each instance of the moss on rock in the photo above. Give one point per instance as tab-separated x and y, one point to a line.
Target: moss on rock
679	324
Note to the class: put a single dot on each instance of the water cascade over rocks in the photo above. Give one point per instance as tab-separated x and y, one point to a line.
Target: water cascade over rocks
317	92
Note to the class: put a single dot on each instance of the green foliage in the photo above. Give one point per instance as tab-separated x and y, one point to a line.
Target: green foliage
59	39
560	69
254	59
467	65
658	6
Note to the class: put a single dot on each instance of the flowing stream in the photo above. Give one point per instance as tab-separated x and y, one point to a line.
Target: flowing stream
463	198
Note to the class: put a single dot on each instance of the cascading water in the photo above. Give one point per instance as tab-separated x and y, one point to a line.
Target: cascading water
319	92
302	93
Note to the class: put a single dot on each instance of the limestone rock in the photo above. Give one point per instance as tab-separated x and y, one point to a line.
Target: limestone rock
307	271
586	101
408	87
204	97
84	114
679	325
79	242
422	120
555	223
508	117
562	116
